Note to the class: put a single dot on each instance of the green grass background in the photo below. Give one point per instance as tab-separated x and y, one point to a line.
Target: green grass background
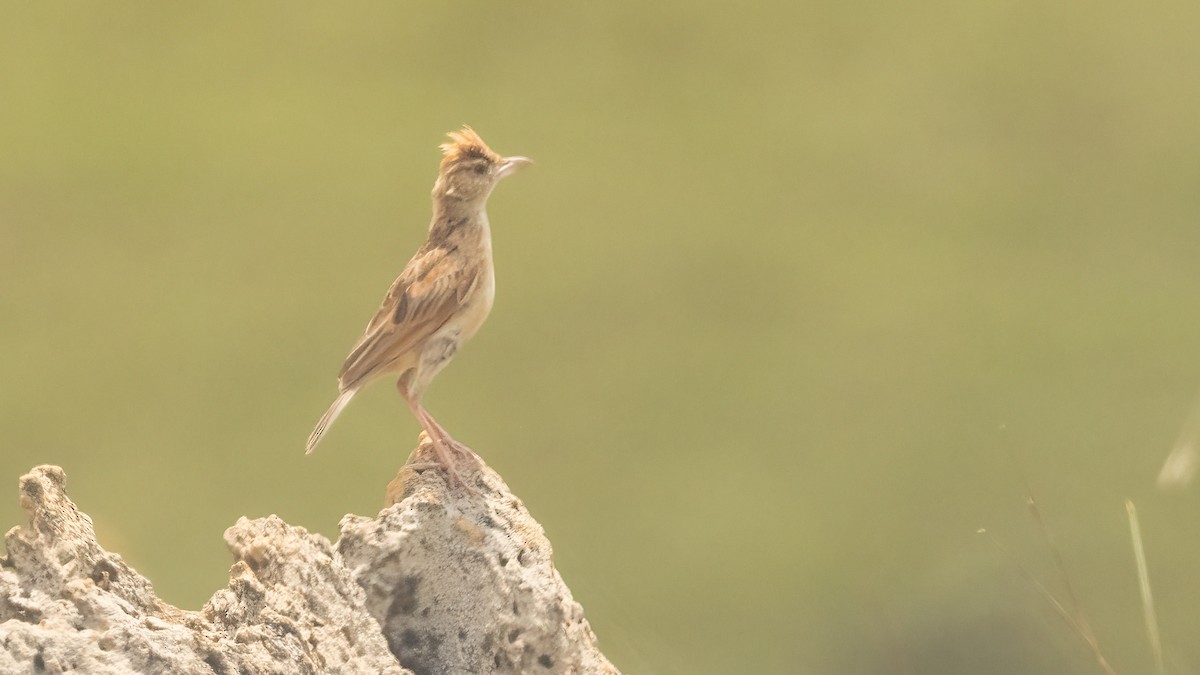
780	273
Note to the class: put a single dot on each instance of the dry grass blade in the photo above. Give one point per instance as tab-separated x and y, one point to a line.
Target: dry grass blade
1069	617
1072	610
1139	555
1059	564
1184	459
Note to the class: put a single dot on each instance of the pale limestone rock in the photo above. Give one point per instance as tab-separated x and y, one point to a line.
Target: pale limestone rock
466	584
67	605
460	579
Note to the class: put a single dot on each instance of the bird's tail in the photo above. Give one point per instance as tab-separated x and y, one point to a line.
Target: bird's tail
328	418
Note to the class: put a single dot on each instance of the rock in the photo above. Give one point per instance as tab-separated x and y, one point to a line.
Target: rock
291	604
466	585
67	605
460	580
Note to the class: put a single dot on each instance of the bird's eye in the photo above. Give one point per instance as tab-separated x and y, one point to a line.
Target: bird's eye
481	169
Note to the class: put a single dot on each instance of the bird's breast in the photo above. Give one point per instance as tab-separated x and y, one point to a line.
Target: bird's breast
477	307
477	247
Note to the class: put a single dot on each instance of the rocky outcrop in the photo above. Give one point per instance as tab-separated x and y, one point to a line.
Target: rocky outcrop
443	581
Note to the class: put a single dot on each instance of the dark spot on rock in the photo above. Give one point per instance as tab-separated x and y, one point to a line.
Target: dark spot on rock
545	661
33	490
410	639
214	661
105	573
513	635
462	635
406	646
502	559
404	602
425	612
487	520
431	509
39	663
521	557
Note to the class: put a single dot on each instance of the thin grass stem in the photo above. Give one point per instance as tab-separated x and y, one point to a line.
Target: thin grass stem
1139	554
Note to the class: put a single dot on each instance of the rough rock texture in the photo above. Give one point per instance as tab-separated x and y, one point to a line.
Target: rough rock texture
460	580
67	605
466	585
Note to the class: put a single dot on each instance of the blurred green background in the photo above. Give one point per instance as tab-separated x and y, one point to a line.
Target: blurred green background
781	272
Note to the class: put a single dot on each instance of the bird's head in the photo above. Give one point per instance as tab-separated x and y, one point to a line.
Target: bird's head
470	169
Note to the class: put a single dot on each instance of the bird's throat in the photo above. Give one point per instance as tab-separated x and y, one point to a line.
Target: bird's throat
460	222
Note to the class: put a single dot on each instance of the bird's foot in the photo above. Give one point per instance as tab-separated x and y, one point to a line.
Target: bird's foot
442	447
461	449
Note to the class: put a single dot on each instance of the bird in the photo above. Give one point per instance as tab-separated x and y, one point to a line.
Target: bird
442	296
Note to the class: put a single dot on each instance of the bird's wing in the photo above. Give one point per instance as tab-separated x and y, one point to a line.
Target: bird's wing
432	287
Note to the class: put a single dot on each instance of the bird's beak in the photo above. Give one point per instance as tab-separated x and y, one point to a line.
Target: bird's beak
510	165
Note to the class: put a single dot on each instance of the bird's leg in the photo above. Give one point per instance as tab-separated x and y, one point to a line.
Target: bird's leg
450	441
440	445
435	432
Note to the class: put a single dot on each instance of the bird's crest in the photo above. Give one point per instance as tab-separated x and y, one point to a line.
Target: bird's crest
465	144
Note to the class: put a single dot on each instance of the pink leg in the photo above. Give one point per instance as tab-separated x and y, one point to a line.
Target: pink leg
453	444
441	440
